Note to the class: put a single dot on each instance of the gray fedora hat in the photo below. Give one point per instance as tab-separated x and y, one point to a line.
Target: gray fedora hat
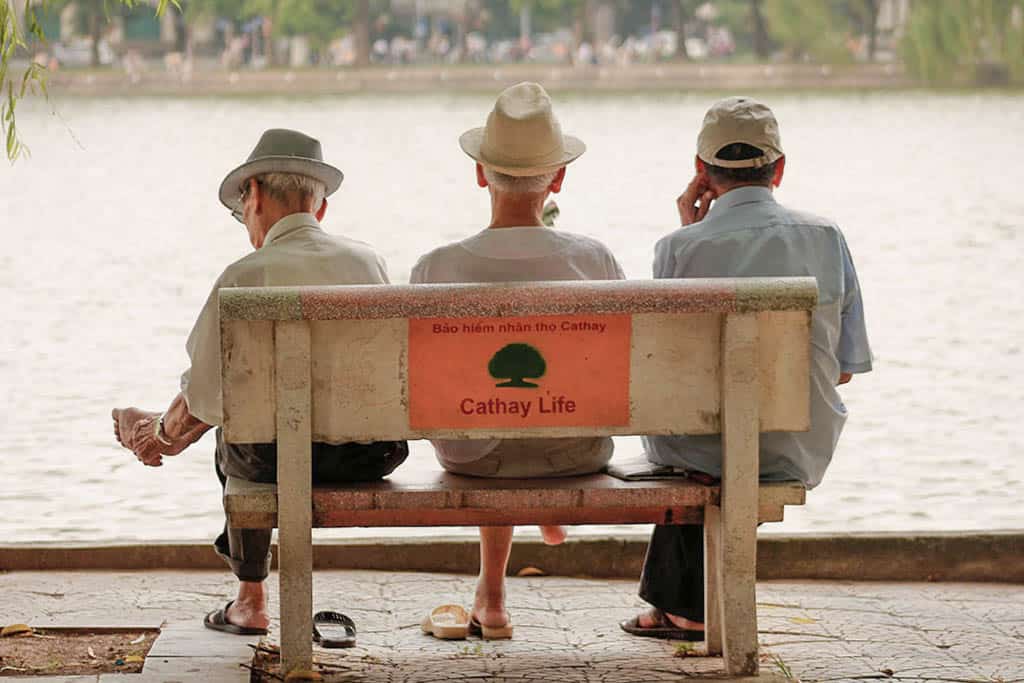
281	151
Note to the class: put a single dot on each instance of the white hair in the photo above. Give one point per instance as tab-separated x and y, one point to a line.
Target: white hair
510	184
289	187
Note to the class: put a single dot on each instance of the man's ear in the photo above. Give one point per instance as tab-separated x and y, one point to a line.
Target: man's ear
322	212
256	192
780	170
556	184
699	166
481	179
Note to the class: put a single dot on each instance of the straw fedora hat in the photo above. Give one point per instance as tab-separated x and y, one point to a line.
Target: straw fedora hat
281	151
522	136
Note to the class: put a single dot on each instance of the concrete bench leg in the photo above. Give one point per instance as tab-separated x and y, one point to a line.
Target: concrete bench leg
712	565
740	469
294	497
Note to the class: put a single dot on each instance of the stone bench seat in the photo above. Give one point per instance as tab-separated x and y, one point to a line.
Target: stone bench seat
728	357
411	498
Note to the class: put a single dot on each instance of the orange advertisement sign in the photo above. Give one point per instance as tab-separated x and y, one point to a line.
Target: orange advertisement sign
540	371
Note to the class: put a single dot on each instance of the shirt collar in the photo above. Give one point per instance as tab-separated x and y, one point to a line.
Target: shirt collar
748	194
290	224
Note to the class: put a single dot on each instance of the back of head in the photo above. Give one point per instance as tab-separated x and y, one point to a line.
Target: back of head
518	185
739	142
296	192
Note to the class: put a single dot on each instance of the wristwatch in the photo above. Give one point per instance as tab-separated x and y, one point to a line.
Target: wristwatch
158	430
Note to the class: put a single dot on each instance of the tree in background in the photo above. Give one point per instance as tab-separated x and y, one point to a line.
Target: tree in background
981	39
15	30
818	31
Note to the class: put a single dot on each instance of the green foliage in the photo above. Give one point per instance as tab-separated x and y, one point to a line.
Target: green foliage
945	40
14	36
815	30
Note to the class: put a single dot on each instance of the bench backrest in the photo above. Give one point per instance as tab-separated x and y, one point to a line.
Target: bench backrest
517	360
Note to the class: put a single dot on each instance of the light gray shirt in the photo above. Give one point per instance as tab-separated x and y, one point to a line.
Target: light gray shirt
296	251
748	234
518	254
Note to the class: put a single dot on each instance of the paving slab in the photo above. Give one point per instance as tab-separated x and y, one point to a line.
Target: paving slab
566	629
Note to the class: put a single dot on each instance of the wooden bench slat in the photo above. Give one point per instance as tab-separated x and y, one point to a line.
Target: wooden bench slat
442	499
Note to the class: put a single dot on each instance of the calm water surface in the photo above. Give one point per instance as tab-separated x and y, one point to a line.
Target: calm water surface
114	236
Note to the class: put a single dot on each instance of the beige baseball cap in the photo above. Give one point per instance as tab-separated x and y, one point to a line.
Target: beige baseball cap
739	119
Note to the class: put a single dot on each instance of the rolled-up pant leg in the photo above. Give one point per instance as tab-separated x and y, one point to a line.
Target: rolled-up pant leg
247	551
673	573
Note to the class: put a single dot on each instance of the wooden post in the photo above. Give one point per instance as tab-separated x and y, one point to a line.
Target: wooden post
712	604
737	563
294	494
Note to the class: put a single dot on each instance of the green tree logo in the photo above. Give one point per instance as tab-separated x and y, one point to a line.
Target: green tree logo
517	361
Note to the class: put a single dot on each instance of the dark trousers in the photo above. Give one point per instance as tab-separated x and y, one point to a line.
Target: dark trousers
673	574
247	551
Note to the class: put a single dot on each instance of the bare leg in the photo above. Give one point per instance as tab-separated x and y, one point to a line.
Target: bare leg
553	535
495	548
250	607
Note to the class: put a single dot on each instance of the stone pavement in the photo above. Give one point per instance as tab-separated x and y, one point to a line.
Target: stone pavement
566	629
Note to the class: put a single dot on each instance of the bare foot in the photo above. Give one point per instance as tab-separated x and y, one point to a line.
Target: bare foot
248	616
124	422
553	535
250	607
650	619
490	610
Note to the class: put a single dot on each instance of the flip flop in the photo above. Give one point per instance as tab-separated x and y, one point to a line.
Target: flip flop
447	622
333	629
490	632
663	628
217	620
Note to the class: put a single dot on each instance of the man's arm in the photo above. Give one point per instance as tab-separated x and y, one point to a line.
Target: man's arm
180	430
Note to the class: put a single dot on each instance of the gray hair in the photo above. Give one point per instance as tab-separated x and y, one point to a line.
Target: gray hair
288	188
510	184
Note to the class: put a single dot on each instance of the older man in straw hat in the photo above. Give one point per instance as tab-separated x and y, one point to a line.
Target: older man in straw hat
521	157
746	233
280	195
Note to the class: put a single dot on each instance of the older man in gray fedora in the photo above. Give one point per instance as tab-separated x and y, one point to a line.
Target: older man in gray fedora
521	157
280	195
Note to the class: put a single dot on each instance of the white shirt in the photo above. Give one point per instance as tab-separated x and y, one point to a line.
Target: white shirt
517	254
296	252
748	234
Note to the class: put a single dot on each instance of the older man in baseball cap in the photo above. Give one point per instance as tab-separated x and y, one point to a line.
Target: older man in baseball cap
733	227
280	195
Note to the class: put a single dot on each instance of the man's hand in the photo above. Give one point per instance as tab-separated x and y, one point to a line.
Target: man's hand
133	429
694	202
145	445
844	377
125	420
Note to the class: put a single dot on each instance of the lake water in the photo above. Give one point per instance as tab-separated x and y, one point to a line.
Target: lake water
114	236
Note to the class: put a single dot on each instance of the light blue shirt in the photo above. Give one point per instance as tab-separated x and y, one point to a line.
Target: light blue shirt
748	234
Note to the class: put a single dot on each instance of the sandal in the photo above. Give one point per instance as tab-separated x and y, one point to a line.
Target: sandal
490	632
447	622
663	628
333	629
217	620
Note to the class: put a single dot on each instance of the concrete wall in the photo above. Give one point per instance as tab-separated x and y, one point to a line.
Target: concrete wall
991	557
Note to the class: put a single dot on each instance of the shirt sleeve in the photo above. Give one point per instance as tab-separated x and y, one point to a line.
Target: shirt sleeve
854	350
382	271
200	383
664	259
419	273
614	269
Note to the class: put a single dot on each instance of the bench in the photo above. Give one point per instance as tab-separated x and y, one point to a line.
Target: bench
553	359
